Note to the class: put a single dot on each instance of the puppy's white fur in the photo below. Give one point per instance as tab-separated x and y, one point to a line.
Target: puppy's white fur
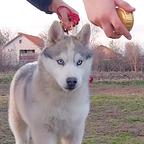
41	106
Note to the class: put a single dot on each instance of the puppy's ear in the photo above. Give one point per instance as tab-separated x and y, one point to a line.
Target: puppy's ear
84	34
55	32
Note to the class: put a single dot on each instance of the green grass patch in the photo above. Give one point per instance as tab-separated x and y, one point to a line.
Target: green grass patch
119	118
126	138
5	133
125	103
5	79
135	119
120	138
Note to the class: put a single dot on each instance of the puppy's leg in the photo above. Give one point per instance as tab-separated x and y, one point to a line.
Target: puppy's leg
43	136
18	126
75	137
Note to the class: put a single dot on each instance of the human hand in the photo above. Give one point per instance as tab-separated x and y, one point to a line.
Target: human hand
67	15
103	14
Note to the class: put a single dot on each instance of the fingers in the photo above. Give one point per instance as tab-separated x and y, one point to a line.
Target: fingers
69	17
116	22
103	14
114	28
109	31
66	23
119	27
124	5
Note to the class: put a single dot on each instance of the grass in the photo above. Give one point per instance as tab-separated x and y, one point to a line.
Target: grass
122	138
113	118
6	79
5	134
127	103
116	120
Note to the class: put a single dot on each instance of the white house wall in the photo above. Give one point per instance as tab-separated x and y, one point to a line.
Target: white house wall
26	44
12	50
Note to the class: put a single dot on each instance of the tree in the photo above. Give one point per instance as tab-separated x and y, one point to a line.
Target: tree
44	36
132	54
5	36
115	46
94	36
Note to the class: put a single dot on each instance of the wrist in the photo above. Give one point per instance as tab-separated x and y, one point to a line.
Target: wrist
55	4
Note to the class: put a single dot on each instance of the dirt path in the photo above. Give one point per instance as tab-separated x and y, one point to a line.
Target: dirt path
128	90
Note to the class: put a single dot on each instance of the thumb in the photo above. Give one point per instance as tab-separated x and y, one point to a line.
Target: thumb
66	23
124	5
64	16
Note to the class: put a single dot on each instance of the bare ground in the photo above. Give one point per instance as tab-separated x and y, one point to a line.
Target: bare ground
128	90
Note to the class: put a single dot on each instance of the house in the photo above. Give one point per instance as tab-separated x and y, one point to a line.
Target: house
22	49
105	53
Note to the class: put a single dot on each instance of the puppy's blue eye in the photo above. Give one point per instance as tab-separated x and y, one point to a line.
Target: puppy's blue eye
79	62
61	62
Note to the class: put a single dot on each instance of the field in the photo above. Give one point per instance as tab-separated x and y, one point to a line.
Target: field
116	115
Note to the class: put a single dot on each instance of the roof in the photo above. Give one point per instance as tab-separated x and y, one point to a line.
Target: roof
34	39
105	52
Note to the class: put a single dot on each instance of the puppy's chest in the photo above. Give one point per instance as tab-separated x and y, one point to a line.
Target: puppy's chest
60	125
61	118
65	112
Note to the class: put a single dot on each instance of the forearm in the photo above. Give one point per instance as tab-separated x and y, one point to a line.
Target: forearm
52	6
42	5
48	6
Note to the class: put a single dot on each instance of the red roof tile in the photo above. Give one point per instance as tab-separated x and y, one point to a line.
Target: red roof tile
35	39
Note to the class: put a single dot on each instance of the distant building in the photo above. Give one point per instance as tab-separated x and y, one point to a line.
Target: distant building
104	52
22	49
103	56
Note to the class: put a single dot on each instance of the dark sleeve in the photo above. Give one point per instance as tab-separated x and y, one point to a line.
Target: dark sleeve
41	5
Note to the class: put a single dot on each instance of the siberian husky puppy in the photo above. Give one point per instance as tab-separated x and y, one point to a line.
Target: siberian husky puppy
49	99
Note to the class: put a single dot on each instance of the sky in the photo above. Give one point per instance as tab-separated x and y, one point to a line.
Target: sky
20	16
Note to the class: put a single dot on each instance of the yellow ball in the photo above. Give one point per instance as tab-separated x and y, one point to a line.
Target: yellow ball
127	18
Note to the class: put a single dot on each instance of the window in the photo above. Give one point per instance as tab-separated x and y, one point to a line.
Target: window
20	41
26	52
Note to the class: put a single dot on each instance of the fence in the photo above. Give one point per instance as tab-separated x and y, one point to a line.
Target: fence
113	76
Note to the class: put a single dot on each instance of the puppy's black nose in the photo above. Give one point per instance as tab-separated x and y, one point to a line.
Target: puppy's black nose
71	82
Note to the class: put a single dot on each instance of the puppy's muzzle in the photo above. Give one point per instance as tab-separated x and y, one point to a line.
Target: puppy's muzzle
71	83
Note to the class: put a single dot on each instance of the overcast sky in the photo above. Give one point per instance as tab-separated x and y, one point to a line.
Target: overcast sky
20	16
